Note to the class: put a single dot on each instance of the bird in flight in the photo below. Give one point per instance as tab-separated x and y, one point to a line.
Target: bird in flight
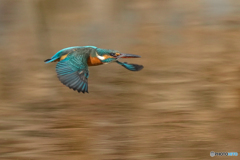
73	62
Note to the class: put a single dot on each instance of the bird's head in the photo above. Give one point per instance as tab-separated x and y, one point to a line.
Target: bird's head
106	55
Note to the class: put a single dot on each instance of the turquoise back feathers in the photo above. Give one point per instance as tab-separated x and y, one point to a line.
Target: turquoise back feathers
66	51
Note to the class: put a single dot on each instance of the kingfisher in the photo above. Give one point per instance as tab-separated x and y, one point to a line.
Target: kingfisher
72	67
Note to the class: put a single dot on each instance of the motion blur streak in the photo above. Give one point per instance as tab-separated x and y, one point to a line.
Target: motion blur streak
182	105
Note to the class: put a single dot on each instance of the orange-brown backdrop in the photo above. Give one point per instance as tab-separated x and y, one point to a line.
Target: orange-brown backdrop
182	105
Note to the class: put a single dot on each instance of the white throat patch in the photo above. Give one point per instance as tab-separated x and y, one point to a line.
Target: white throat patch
100	57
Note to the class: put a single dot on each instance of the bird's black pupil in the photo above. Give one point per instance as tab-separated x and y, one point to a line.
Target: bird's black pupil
112	54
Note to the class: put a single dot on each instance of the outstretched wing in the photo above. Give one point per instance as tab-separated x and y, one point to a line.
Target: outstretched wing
131	67
73	72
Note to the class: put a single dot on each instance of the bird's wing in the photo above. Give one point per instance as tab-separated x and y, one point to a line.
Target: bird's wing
73	72
131	67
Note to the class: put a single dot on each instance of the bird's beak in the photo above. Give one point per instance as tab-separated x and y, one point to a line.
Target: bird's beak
124	55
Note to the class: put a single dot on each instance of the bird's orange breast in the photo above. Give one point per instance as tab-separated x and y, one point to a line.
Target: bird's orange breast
93	61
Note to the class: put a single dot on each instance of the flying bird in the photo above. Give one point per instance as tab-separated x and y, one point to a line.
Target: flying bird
73	62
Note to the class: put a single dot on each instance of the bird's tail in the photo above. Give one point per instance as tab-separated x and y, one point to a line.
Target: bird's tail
47	60
51	60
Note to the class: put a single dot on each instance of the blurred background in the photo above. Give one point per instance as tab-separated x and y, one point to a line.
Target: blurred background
182	105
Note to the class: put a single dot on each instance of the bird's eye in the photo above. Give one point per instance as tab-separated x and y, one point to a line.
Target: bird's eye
112	54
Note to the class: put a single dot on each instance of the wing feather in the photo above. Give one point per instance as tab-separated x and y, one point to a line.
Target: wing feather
73	72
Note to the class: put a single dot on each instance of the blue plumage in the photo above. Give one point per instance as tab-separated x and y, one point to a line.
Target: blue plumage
73	62
65	51
72	73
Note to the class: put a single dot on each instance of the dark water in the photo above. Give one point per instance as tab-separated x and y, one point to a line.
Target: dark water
182	105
